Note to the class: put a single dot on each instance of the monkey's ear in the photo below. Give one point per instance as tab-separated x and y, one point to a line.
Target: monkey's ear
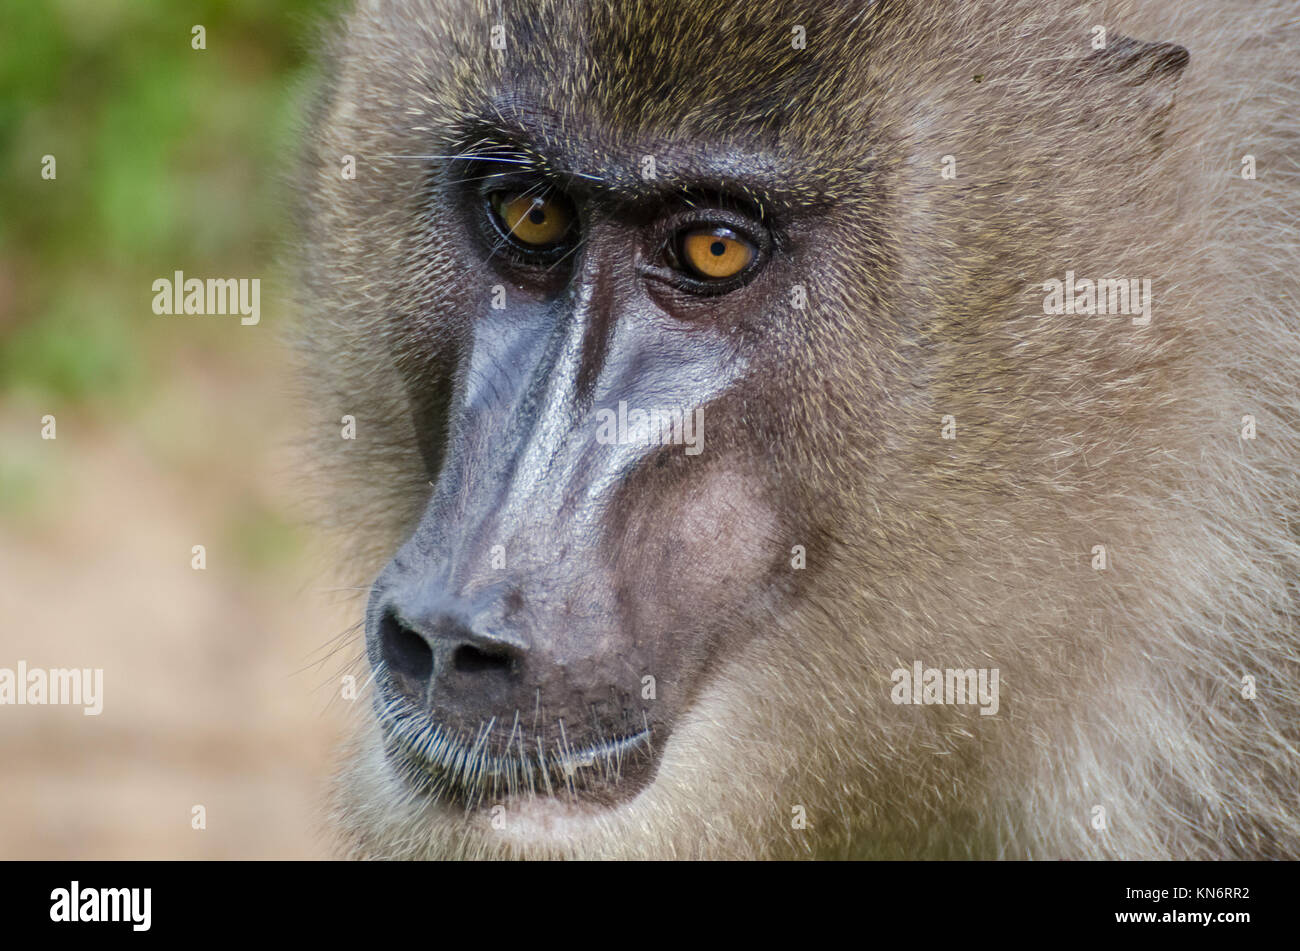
1144	76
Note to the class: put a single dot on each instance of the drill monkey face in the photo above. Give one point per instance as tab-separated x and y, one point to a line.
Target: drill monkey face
605	452
658	312
601	319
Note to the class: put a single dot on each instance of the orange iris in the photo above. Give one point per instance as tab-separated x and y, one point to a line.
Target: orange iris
716	252
531	219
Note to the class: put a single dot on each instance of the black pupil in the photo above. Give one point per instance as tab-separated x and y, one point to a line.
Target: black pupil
536	216
718	249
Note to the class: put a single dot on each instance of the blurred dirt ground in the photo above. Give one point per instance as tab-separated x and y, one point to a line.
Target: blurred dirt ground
170	156
216	691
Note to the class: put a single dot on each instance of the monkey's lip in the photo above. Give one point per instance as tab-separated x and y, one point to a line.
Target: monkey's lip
447	767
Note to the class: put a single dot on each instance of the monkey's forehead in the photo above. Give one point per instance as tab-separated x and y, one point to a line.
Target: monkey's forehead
627	73
598	85
697	68
620	80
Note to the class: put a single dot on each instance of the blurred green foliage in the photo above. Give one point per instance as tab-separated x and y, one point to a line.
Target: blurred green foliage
167	158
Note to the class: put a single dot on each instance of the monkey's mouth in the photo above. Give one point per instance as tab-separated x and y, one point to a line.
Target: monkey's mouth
481	770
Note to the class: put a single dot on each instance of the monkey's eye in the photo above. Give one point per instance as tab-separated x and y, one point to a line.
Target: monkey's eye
714	254
534	222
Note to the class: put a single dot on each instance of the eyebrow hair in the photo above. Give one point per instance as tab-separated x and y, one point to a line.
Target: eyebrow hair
537	143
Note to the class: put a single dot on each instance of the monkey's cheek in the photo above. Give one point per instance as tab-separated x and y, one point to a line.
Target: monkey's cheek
707	547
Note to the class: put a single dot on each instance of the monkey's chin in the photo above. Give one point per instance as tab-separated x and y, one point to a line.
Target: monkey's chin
544	826
477	775
380	814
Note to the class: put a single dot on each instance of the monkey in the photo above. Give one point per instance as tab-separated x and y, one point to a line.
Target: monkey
981	320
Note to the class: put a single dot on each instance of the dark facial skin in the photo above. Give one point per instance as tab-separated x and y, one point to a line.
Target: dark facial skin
554	571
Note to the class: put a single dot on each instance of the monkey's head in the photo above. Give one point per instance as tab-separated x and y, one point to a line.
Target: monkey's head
649	316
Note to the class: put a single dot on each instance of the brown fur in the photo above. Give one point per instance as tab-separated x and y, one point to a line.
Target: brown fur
1120	688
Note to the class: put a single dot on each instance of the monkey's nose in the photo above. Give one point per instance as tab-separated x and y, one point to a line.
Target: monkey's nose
448	659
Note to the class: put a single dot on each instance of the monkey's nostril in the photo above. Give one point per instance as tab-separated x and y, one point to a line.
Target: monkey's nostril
471	660
407	654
